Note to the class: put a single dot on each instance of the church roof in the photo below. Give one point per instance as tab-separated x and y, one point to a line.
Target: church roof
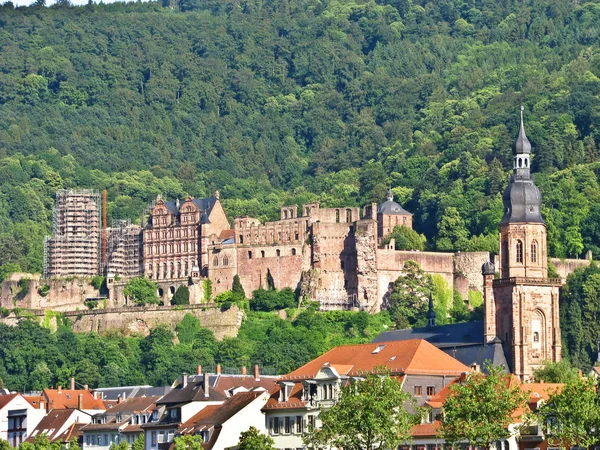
462	341
391	207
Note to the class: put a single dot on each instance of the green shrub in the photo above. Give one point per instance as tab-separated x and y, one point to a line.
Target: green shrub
272	299
91	304
182	296
44	290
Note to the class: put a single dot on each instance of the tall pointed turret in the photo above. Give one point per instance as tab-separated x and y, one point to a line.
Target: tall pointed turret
431	319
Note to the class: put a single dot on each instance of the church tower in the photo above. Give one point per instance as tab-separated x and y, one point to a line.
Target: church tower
523	299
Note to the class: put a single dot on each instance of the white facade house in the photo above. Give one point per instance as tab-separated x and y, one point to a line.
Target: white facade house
18	418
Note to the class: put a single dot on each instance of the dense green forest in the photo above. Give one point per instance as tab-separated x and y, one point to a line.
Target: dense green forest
276	102
33	358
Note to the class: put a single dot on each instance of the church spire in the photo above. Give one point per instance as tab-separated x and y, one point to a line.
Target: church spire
390	194
522	144
522	149
431	319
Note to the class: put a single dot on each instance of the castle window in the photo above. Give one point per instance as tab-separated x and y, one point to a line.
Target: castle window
348	215
225	261
337	216
241	238
278	252
249	255
293	251
519	251
534	251
262	253
536	337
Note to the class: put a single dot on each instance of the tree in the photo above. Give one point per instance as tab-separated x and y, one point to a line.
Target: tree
407	303
556	372
188	442
141	290
478	410
237	287
138	444
182	296
406	238
188	328
573	414
123	445
370	414
7	268
255	440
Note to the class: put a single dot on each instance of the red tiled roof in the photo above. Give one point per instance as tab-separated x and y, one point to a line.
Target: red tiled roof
35	400
226	234
426	429
6	399
415	356
53	421
294	400
70	399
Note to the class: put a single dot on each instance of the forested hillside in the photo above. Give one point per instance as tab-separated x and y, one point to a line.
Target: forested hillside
275	102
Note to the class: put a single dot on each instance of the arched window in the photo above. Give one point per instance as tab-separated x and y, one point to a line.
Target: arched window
536	337
348	215
216	261
278	252
534	251
337	216
519	251
262	253
225	261
520	162
293	251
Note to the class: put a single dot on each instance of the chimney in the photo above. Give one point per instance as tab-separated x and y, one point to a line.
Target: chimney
218	369
72	383
184	381
124	396
85	387
206	385
59	390
256	372
95	395
199	370
80	401
243	370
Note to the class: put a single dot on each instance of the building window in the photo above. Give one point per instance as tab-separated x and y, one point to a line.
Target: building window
299	424
293	251
225	261
519	251
262	253
418	391
278	252
249	255
216	261
536	336
154	438
276	425
311	423
430	390
287	427
534	252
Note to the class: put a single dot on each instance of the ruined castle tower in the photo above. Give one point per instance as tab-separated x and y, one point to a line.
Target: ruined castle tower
522	306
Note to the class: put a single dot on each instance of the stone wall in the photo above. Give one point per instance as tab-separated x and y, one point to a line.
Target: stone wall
132	320
566	266
467	271
63	293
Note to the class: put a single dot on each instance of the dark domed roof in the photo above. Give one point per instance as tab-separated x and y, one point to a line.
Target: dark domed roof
522	200
391	207
488	268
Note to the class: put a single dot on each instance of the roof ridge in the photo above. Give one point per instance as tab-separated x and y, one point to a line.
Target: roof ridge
414	354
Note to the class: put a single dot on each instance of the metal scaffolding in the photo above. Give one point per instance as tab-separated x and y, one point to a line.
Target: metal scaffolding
74	248
124	249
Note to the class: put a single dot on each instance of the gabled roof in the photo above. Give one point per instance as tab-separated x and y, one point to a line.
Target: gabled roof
52	423
217	415
113	393
6	399
415	356
219	387
294	399
441	336
67	398
133	405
